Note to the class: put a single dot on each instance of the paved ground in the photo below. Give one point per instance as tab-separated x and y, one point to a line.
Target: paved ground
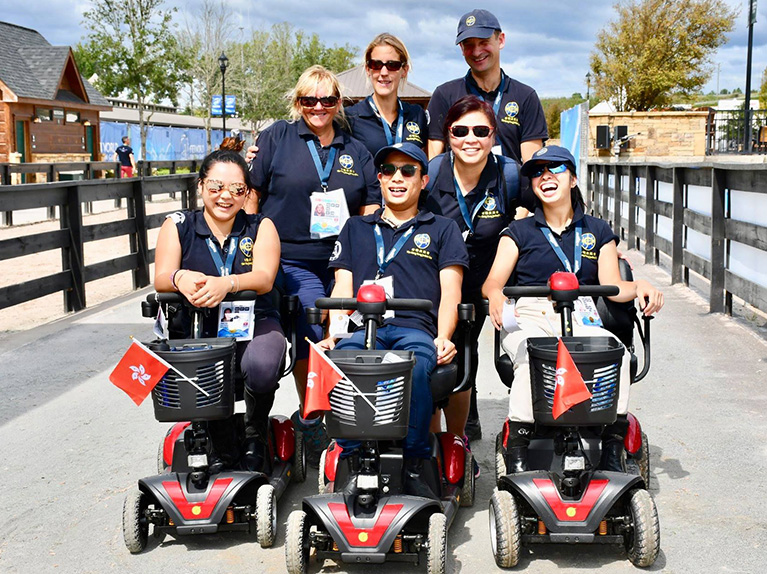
73	445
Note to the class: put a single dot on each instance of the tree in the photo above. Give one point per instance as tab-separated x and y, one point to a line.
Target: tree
132	49
763	91
656	49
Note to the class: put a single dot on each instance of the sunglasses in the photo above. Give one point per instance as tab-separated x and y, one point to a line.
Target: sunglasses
554	168
463	131
407	170
235	189
311	101
391	65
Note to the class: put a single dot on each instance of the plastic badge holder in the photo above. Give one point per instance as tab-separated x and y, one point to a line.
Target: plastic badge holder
210	364
386	385
599	361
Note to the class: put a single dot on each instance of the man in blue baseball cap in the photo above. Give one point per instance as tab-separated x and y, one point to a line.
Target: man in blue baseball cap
521	122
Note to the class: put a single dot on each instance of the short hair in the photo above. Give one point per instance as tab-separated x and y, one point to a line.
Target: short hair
466	105
311	78
223	156
125	139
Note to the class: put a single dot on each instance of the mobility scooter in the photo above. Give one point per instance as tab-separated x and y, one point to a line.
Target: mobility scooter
378	522
189	495
564	498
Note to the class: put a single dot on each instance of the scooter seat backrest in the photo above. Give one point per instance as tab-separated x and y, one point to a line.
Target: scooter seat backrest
618	318
505	368
443	379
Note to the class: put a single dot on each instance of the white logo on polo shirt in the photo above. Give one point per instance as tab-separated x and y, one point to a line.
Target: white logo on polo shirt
512	109
422	240
346	161
588	241
177	217
336	251
413	128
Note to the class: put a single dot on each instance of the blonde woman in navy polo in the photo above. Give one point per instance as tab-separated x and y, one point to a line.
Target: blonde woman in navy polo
301	164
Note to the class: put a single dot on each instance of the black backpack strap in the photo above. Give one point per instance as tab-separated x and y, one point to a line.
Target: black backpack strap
436	163
509	170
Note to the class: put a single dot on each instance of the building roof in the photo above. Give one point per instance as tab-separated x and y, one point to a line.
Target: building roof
356	86
32	68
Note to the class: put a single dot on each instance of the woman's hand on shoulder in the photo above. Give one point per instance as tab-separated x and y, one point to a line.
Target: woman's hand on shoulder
251	154
650	298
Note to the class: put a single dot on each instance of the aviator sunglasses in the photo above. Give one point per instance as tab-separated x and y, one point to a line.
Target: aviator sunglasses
237	189
463	131
407	170
554	168
391	65
311	101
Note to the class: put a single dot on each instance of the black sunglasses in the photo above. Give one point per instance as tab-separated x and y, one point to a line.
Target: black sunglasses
311	101
463	131
553	167
407	170
391	65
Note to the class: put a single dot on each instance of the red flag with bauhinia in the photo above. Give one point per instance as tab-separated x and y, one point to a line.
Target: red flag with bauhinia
322	378
138	372
570	389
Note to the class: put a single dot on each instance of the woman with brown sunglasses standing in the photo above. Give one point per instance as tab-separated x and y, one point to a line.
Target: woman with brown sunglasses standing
301	164
383	119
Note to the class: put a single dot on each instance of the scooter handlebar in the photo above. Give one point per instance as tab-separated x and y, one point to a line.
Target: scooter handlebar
343	303
546	291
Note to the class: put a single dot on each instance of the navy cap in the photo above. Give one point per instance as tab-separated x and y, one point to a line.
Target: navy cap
477	24
550	154
409	149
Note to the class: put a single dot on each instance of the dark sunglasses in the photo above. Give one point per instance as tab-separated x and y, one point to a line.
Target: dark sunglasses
554	168
463	131
407	170
391	65
311	101
236	189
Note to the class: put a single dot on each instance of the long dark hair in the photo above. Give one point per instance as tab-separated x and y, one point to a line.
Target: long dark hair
223	156
465	105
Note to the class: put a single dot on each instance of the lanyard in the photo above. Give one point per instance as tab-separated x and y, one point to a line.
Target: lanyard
223	269
561	254
468	218
386	127
383	262
498	97
323	173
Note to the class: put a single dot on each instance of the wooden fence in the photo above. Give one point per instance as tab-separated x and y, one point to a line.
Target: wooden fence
618	191
70	198
89	169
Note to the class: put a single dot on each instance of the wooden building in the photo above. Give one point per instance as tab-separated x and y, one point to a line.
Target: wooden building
357	87
48	111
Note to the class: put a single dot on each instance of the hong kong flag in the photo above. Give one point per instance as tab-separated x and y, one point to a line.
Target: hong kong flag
322	378
138	372
570	389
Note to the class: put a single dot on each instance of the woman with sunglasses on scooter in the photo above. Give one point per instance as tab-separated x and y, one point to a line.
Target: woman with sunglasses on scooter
205	255
479	191
559	237
382	119
301	164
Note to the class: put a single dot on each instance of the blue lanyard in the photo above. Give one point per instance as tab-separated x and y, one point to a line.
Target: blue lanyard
561	254
223	269
323	173
383	262
468	218
498	97
386	127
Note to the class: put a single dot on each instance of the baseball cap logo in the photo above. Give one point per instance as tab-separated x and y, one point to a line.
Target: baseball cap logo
470	21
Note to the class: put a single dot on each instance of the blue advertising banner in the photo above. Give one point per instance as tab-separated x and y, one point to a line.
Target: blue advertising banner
215	106
163	143
229	105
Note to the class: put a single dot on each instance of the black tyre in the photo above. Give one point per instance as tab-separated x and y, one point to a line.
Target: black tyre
266	515
643	538
643	461
505	532
500	459
298	472
160	457
297	543
322	487
135	522
469	485
436	549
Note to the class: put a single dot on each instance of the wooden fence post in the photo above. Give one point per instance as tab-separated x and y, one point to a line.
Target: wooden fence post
138	241
718	241
631	240
72	257
649	211
677	227
605	191
617	201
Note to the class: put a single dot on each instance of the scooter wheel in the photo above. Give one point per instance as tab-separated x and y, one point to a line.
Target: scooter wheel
500	460
266	515
135	522
643	538
505	533
643	461
298	472
297	543
436	550
469	484
161	457
322	487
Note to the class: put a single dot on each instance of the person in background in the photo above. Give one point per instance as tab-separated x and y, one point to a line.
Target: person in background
124	154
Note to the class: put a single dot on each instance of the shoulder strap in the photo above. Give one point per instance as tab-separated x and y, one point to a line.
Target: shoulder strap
437	163
510	170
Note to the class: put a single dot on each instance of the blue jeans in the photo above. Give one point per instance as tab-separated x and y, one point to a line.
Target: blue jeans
392	337
309	280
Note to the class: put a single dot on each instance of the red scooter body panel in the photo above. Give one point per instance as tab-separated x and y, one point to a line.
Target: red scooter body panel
284	437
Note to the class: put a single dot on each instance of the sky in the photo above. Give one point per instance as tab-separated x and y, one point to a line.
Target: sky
547	42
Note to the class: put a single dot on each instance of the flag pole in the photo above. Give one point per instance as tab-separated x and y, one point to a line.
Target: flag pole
171	367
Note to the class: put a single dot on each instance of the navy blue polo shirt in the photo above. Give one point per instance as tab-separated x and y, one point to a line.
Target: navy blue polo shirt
123	154
520	117
367	127
435	244
285	175
489	221
537	259
193	232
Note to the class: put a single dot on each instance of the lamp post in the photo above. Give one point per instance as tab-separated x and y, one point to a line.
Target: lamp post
747	103
223	62
588	87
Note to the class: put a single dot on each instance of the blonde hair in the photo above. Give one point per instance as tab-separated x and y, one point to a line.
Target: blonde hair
313	77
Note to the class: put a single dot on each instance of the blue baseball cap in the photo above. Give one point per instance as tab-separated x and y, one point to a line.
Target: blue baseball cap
477	24
549	154
409	149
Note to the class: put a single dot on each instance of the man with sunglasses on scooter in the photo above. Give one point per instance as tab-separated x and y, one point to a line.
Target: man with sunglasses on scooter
412	254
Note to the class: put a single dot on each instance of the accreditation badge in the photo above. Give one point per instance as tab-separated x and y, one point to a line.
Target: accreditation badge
329	213
236	319
586	312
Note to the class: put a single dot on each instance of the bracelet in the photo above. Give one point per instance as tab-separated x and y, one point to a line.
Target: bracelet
176	277
173	279
231	280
